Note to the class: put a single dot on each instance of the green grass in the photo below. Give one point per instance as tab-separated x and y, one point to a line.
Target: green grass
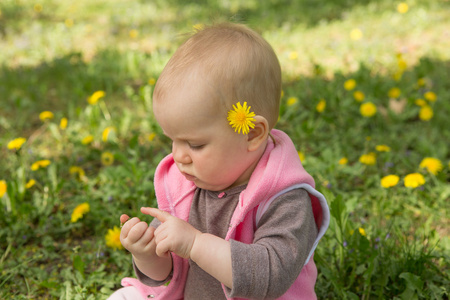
382	243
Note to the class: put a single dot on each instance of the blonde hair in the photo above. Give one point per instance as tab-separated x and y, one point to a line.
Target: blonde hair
241	65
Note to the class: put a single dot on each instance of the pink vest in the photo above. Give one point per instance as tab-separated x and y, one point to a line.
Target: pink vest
278	171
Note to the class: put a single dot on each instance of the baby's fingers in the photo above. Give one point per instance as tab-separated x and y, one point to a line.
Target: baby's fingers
124	218
127	227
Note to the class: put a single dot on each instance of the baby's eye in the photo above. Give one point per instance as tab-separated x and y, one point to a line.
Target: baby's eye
196	147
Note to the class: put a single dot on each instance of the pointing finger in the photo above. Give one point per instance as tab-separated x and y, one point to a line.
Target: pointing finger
161	215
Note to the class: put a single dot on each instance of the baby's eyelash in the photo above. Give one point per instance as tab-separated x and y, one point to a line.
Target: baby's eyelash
196	147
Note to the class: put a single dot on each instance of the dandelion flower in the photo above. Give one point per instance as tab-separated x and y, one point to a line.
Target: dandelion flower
359	96
291	101
421	82
420	102
152	81
198	27
93	99
106	132
394	92
68	23
389	181
241	118
63	123
362	231
301	155
433	165
112	238
107	158
350	84
383	148
30	183
368	159
46	115
151	136
133	33
87	140
79	212
17	143
77	170
40	164
343	161
321	105
414	180
430	96
426	113
402	7
293	55
356	34
3	188
368	109
38	7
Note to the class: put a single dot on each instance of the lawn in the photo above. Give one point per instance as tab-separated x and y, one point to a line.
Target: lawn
366	100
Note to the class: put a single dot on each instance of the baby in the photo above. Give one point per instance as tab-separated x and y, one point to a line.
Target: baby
238	215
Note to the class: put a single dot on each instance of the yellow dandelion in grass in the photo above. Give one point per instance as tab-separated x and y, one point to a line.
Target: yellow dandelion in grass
402	65
293	55
356	34
394	92
106	132
359	96
68	23
433	165
38	7
63	123
368	159
87	139
426	113
241	118
421	82
79	211
402	7
420	102
112	238
151	136
414	180
368	109
107	158
350	84
343	161
291	101
46	115
30	183
430	96
133	33
320	107
16	144
152	81
389	181
79	171
3	188
93	99
40	164
383	148
301	155
362	231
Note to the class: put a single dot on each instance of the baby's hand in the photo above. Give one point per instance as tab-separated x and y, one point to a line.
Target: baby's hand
174	234
137	237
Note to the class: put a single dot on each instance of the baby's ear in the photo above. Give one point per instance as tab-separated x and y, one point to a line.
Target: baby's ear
257	136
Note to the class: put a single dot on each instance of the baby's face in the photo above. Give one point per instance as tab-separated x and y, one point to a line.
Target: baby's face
205	148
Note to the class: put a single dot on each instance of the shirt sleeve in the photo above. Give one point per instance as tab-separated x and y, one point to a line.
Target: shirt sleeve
285	235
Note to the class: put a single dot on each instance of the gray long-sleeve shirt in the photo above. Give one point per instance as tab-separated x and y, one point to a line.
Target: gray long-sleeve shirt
264	269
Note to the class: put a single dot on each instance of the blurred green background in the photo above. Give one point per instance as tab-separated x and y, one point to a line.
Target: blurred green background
384	243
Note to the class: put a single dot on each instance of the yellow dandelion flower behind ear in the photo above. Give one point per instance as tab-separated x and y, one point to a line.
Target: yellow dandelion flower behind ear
241	118
112	238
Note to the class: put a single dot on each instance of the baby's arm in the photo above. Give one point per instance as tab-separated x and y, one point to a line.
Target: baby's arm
138	238
209	252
